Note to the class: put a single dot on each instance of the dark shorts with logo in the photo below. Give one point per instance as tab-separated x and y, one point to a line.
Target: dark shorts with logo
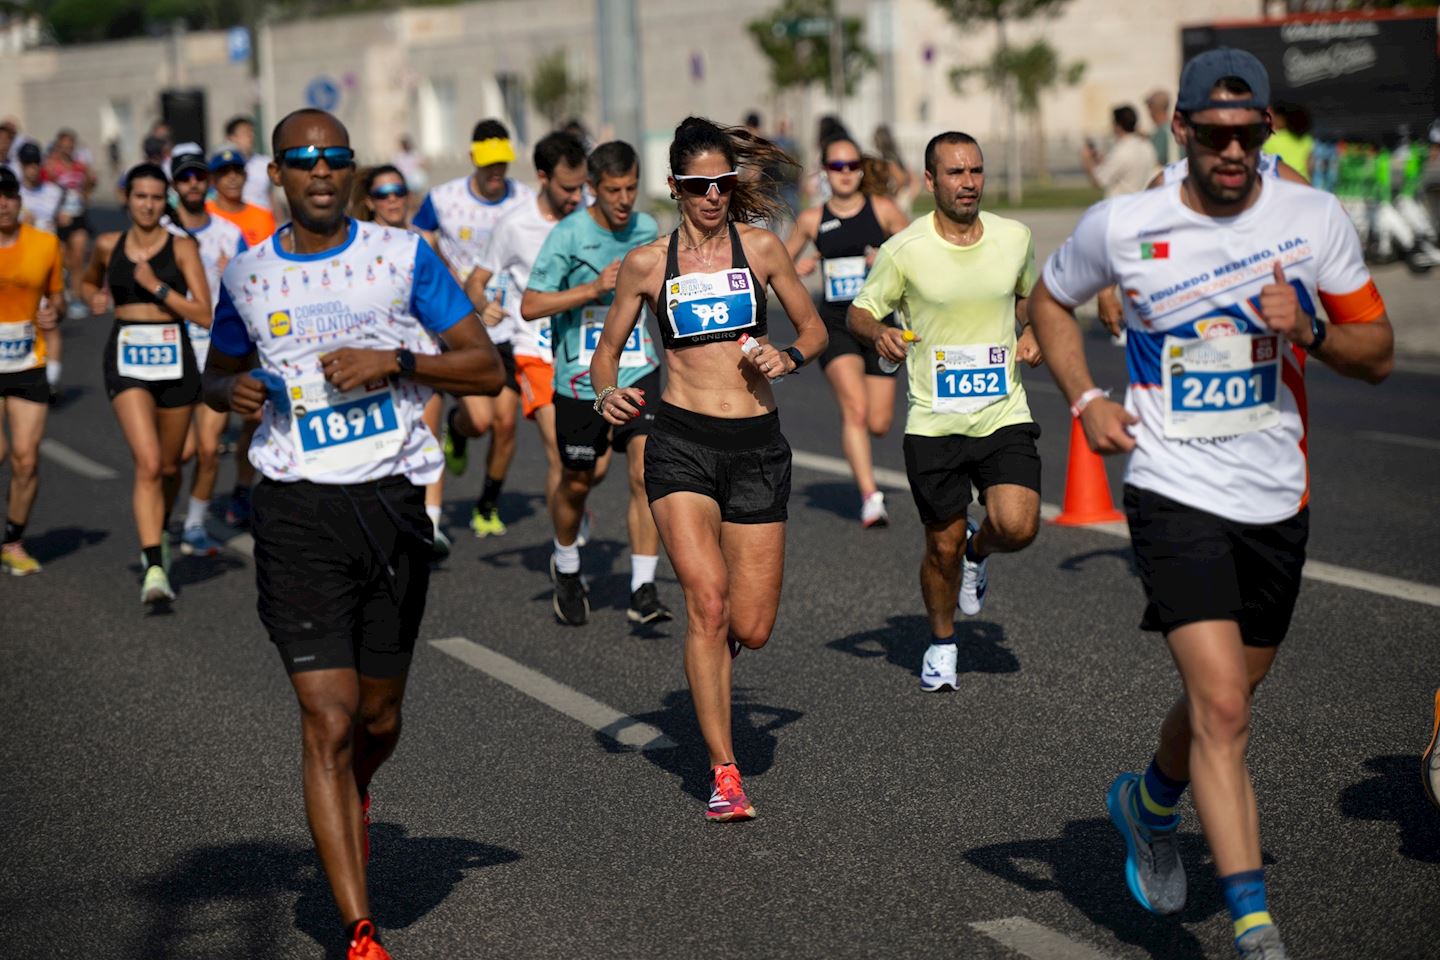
342	572
584	436
26	385
942	470
1199	566
743	465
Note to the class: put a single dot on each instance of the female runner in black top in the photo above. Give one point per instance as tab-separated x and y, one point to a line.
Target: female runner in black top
847	230
157	282
717	469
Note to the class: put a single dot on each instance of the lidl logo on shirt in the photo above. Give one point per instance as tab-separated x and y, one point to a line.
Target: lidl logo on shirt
1155	251
279	324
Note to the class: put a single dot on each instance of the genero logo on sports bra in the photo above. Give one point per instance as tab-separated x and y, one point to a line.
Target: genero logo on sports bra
279	324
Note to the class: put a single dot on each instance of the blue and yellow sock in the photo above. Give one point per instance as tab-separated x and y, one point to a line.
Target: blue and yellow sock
1157	797
1245	896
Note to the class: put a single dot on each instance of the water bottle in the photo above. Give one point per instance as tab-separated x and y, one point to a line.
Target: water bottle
890	366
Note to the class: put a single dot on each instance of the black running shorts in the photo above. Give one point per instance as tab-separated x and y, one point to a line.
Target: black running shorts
1199	566
942	469
342	572
26	385
844	343
507	360
583	435
183	392
743	465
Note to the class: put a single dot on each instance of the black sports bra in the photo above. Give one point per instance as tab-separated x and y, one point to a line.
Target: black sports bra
120	274
666	303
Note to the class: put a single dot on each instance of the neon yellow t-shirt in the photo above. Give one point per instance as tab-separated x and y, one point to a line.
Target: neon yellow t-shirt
961	303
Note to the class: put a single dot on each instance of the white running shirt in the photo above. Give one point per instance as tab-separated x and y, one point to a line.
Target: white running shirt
39	205
219	241
510	253
1221	401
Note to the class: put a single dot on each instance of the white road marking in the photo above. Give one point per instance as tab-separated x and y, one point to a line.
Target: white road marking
1036	941
74	461
620	727
1404	440
1376	583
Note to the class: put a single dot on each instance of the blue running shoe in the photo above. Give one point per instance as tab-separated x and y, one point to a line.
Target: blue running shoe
1153	870
195	542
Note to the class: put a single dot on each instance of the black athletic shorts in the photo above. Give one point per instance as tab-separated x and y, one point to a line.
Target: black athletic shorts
342	572
843	343
167	393
507	360
743	465
583	435
1198	566
82	222
26	385
942	469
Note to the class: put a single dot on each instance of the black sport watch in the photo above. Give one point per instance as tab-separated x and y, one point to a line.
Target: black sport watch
1318	332
796	356
405	360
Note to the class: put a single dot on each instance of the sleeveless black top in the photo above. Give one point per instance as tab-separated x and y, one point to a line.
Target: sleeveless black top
848	237
737	262
120	274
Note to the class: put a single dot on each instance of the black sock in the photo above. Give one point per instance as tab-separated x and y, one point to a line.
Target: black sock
153	557
490	495
13	531
457	439
352	929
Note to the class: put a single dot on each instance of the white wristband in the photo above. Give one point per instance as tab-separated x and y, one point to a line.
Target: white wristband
1083	401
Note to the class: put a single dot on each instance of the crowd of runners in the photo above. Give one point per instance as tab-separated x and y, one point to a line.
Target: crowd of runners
364	356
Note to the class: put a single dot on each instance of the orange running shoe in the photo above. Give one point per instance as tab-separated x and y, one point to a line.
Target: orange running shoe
365	812
728	800
1430	759
365	946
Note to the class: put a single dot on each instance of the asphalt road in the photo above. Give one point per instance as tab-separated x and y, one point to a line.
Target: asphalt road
151	792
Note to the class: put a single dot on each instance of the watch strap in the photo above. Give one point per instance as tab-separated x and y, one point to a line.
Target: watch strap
794	354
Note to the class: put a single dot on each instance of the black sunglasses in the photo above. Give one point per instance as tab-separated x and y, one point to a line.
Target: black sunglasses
188	175
305	158
389	190
1217	136
844	166
698	186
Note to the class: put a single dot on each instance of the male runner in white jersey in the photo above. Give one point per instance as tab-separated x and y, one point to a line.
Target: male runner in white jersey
1222	275
40	198
510	253
328	331
457	218
961	277
219	241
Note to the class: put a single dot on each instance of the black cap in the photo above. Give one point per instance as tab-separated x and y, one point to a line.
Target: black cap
9	183
187	156
29	153
1205	71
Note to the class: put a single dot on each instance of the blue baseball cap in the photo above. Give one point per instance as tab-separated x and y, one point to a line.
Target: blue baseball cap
229	157
1203	72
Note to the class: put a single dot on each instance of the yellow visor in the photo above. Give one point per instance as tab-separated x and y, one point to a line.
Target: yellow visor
494	150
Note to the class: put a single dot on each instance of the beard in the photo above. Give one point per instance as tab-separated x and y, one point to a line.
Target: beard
318	223
193	206
953	211
1222	195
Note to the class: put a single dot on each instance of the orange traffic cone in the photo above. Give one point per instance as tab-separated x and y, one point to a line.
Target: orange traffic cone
1087	489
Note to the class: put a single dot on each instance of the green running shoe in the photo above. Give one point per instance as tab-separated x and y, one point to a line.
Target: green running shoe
487	524
156	587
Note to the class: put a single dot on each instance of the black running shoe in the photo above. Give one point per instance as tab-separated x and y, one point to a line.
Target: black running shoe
572	606
645	606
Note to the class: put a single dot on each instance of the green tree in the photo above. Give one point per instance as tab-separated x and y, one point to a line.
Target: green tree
556	94
1031	72
798	59
1002	14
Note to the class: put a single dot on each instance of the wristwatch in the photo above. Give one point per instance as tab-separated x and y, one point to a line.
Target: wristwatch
796	356
1318	332
162	290
405	360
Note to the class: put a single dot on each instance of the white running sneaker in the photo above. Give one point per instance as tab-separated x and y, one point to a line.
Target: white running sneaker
974	580
583	537
872	511
938	670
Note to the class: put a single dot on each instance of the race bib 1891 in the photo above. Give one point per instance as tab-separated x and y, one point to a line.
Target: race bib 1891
340	430
592	322
1222	386
969	378
844	278
17	347
698	304
150	352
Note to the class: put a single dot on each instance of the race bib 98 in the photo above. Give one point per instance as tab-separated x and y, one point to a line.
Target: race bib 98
698	304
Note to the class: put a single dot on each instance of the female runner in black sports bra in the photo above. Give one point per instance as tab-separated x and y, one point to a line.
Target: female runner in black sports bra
717	469
847	230
157	281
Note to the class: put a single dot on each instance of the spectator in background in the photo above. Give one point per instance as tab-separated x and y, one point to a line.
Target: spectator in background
228	175
752	124
1291	140
73	175
1157	104
903	185
240	134
1129	165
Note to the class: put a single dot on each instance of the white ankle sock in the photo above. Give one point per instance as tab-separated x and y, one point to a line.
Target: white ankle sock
567	559
642	570
195	514
52	373
434	514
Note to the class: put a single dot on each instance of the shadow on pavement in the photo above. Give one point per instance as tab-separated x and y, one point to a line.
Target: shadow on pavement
51	545
228	900
1124	554
604	564
1086	865
753	727
841	499
904	639
1393	793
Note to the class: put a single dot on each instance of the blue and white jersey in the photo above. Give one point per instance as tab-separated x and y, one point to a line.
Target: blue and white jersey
1221	399
463	221
381	289
220	241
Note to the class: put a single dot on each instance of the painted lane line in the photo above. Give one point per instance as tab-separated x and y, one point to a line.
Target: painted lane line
622	728
1404	440
75	461
1036	941
1317	570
